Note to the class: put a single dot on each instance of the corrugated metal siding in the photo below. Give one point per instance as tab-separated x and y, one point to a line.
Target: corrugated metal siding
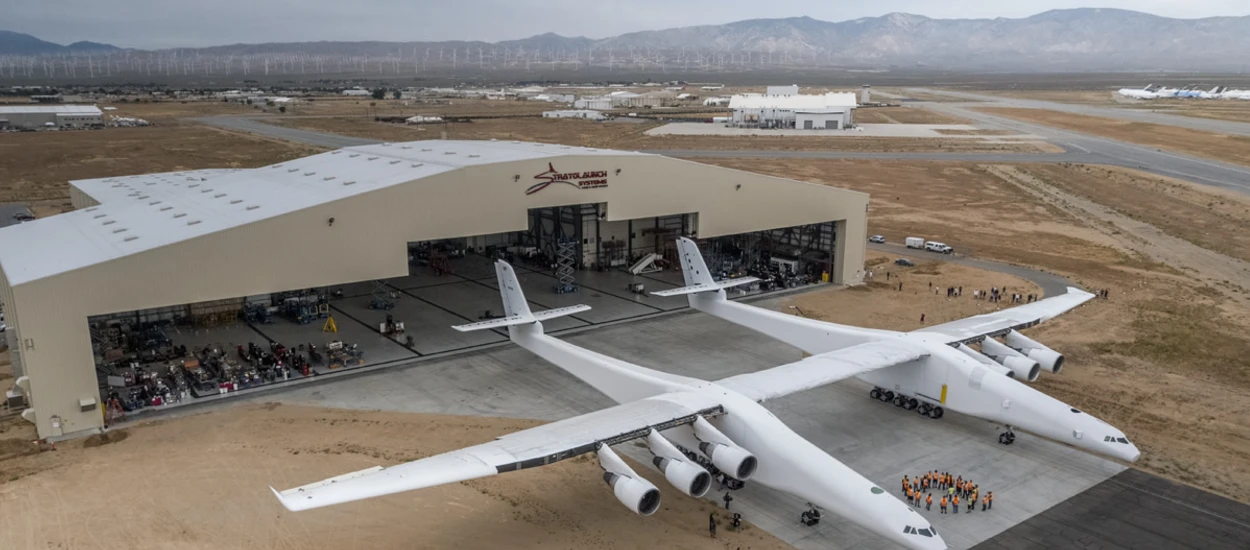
369	241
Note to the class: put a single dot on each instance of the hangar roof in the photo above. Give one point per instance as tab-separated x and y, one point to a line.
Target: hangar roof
138	213
58	109
793	102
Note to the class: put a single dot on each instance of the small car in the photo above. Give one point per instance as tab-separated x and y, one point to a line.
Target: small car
904	262
876	239
23	217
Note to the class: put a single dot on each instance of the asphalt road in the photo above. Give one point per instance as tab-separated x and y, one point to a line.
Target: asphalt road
1133	115
1133	509
1079	148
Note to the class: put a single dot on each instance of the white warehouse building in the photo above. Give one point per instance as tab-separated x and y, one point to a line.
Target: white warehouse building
830	111
50	116
147	250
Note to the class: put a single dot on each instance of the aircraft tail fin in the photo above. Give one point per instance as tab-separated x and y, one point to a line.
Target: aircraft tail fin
693	268
696	274
516	309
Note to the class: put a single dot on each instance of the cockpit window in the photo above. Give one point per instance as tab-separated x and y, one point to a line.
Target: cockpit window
922	532
1074	411
1109	439
1122	440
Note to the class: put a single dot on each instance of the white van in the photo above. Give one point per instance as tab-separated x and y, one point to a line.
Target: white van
934	246
914	242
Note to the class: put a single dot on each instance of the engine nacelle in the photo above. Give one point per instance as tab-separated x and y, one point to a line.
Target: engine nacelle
735	461
687	477
636	493
1025	368
989	363
1049	359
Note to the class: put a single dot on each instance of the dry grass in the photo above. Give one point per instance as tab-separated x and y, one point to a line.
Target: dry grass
1203	144
903	115
37	166
628	135
1213	219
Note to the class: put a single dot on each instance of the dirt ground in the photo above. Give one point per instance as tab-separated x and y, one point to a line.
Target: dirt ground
630	136
903	115
1222	147
203	482
880	304
1166	358
35	167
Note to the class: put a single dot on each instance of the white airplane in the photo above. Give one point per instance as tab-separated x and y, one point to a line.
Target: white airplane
684	422
1148	92
949	374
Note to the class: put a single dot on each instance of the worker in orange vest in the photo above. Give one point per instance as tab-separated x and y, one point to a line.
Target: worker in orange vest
990	495
907	489
928	502
985	502
956	504
942	504
973	503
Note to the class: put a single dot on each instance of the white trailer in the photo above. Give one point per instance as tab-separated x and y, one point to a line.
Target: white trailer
914	242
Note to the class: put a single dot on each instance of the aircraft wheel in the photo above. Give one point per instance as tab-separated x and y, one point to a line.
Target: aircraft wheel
923	409
887	396
900	401
875	394
912	404
936	413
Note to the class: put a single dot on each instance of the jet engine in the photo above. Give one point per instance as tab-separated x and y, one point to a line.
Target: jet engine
636	493
735	461
1025	368
687	477
1049	359
989	363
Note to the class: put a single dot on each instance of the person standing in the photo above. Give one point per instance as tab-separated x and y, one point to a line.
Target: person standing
728	498
955	504
928	502
942	504
985	502
711	524
990	496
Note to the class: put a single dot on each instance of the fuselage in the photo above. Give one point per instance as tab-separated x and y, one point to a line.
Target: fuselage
787	461
946	378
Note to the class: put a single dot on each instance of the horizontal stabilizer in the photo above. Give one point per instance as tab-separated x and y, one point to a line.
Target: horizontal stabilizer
524	319
704	287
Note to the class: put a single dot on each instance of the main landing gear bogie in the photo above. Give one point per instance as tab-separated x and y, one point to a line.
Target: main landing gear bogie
908	403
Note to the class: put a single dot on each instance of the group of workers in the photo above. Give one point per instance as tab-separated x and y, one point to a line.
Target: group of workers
952	491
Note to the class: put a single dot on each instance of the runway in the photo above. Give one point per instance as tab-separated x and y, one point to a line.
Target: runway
1078	149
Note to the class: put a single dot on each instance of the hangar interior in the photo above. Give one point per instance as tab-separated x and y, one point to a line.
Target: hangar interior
383	304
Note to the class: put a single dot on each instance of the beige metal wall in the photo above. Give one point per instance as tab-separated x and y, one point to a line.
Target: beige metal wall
369	241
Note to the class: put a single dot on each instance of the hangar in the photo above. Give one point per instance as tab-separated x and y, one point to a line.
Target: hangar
147	261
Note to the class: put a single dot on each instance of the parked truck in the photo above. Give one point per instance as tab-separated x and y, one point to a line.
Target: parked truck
914	242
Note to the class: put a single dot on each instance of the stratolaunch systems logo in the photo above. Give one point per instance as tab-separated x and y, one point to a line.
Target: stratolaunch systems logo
580	180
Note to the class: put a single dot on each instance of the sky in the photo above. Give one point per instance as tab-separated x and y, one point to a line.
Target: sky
182	23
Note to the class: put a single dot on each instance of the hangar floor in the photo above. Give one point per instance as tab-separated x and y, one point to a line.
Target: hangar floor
430	304
878	440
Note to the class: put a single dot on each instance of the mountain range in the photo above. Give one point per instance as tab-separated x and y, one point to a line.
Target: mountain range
1075	39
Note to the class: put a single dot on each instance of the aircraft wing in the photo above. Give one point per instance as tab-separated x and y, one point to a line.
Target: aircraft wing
706	287
975	329
825	368
536	446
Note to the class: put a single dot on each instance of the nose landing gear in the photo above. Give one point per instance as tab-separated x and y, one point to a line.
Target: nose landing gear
1008	437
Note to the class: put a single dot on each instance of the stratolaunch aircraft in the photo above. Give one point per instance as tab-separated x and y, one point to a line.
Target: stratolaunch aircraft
948	374
684	422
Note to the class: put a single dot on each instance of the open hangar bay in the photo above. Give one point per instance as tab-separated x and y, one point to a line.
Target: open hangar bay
171	287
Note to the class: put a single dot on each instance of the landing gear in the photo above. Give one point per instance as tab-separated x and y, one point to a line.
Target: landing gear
911	404
887	396
810	516
1008	437
923	409
875	394
900	401
936	413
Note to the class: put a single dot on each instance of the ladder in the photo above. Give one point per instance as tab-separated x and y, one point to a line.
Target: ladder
566	260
